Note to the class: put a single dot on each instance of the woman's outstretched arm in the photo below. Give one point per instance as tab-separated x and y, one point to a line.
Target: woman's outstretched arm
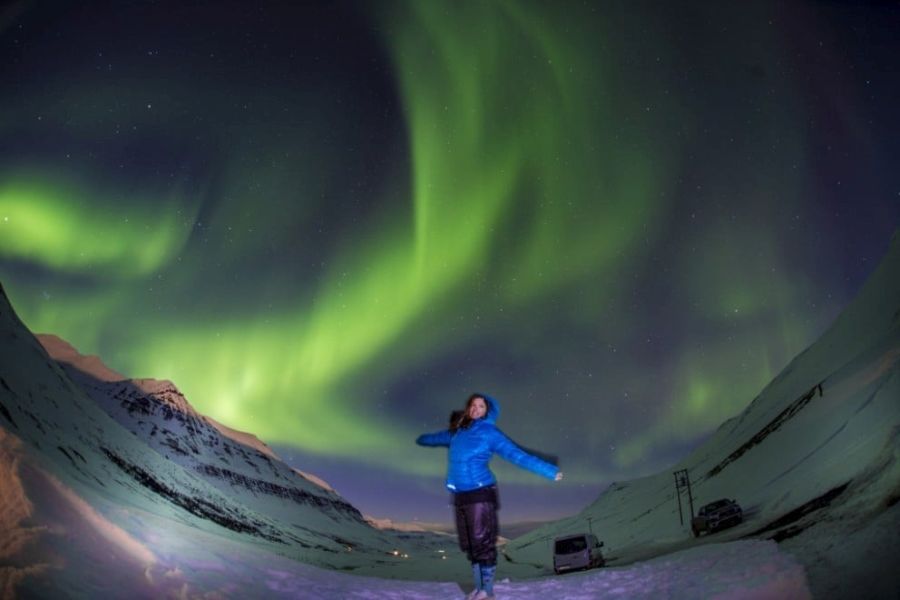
507	449
438	438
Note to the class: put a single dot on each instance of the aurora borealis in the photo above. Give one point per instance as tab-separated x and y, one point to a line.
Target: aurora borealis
329	224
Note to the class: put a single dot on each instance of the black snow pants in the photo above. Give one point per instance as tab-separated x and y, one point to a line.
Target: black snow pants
476	524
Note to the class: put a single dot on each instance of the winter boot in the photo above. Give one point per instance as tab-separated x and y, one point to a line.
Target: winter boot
487	580
476	577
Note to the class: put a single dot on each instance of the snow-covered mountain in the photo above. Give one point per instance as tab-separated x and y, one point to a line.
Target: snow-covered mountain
80	443
236	463
814	460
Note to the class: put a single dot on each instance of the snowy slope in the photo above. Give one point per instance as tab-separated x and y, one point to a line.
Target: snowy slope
236	463
124	446
813	460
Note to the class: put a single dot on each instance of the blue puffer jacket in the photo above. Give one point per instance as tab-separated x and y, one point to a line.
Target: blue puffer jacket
471	450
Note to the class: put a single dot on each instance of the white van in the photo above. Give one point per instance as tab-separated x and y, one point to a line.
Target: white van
579	551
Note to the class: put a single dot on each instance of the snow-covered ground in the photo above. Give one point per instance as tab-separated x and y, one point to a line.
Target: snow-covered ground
143	555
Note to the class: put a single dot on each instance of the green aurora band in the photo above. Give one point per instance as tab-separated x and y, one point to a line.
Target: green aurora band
52	224
536	179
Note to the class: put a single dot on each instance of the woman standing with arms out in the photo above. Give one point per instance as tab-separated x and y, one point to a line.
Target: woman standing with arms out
473	438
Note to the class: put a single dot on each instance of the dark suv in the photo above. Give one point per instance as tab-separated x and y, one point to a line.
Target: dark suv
717	515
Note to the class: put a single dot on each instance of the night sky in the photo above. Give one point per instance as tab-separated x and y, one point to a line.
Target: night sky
329	224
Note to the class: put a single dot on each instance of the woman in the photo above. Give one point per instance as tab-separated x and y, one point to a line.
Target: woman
473	438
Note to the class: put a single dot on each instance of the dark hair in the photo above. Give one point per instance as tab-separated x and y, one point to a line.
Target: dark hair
460	419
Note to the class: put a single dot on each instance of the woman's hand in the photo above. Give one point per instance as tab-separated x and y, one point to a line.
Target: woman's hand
558	476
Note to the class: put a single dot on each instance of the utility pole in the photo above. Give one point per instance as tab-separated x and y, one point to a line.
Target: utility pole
683	482
678	497
589	519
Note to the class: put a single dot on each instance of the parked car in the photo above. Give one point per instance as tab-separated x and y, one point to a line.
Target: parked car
579	551
716	516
